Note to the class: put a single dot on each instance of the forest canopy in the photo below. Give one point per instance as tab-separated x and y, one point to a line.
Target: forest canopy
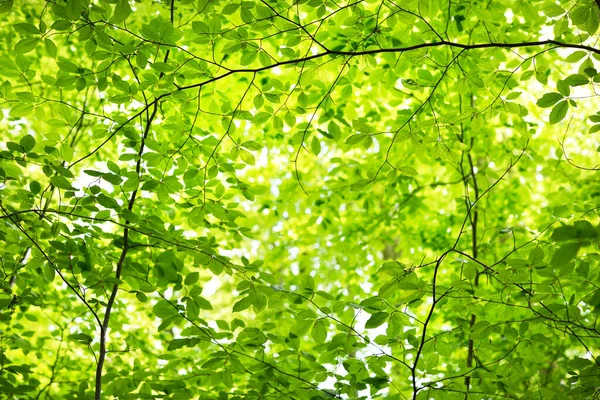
308	199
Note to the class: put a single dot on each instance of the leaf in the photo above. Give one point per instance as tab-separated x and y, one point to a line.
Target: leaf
564	254
315	146
559	112
549	99
319	331
177	344
301	327
26	45
561	26
191	278
470	270
6	5
82	338
242	304
376	320
576	80
355	139
21	110
360	184
580	15
50	47
247	157
252	145
27	142
426	8
554	10
122	11
576	56
361	126
163	309
563	87
536	256
407	170
395	325
61	182
26	28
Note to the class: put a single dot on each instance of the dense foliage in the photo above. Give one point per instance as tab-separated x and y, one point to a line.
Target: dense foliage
311	199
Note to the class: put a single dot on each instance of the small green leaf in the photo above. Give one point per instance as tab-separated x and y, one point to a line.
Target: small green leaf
564	254
252	145
354	139
26	45
559	112
561	26
319	331
470	270
27	142
359	184
576	80
61	182
82	338
26	29
122	11
376	320
406	170
247	157
563	87
163	309
554	10
395	325
191	278
242	304
315	146
549	99
301	327
576	56
6	5
50	47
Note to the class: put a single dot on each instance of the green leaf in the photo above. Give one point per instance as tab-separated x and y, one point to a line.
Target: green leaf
561	26
559	112
252	145
122	11
51	48
192	278
301	328
27	142
470	270
360	184
580	15
576	80
26	28
355	139
319	331
163	309
395	325
564	254
376	320
61	182
315	146
26	45
554	10
242	304
82	338
6	5
247	157
576	56
549	99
